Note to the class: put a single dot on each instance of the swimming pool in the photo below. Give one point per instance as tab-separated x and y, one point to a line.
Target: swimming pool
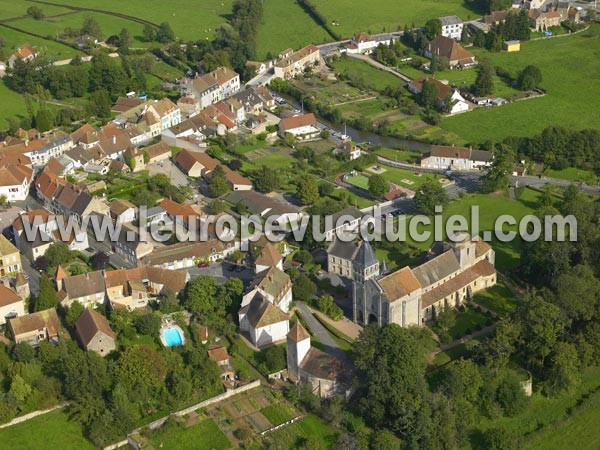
172	337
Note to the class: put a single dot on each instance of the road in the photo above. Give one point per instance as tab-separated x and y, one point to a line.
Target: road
329	344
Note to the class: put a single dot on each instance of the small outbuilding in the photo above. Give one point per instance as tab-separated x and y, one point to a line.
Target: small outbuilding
512	46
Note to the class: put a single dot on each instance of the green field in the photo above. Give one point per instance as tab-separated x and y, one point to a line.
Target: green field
360	181
570	69
12	105
498	299
54	50
467	322
278	413
579	431
354	16
18	8
51	431
379	79
286	25
204	436
310	427
573	174
407	178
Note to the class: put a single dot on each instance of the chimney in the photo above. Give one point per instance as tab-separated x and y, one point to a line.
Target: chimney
114	139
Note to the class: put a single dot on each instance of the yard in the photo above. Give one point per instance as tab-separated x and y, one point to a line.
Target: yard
378	79
498	299
570	76
467	322
52	430
312	427
206	435
360	181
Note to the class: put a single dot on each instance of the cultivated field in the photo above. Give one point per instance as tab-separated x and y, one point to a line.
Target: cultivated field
570	69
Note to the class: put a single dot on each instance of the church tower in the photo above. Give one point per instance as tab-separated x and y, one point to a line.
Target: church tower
21	286
298	346
464	249
365	265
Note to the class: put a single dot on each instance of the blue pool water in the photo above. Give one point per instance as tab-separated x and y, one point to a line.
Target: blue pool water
172	337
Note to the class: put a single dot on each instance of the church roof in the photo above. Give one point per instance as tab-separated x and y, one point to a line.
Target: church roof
322	365
269	256
365	256
437	268
261	313
398	284
298	333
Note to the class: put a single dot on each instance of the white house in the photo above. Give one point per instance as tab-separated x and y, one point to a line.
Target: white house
301	127
365	43
274	285
452	27
15	182
455	158
11	305
212	87
457	103
265	323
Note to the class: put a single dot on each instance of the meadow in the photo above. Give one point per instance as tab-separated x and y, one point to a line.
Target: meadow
52	430
14	39
12	105
286	25
376	16
204	436
570	69
378	79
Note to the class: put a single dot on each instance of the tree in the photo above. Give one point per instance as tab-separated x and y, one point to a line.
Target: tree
149	33
384	440
35	12
217	206
266	180
165	33
430	195
463	380
307	189
19	389
169	302
529	78
500	439
200	295
497	176
73	313
464	36
433	28
100	103
219	185
99	260
47	297
388	360
444	321
274	358
92	27
303	288
430	94
378	186
23	352
141	366
565	371
484	83
148	324
124	41
44	120
577	292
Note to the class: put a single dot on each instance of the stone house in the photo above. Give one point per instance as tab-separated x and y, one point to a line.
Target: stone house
94	333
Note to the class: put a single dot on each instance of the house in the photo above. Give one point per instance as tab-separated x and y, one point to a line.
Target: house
324	373
94	333
342	257
195	164
87	288
302	127
455	55
156	153
348	148
188	254
236	181
454	272
212	87
344	221
149	119
187	215
189	135
123	211
446	94
291	64
452	27
86	41
124	104
264	323
11	304
36	327
15	181
542	21
268	257
189	106
220	356
496	18
455	158
130	245
272	284
133	288
511	46
10	259
265	206
24	54
365	43
40	150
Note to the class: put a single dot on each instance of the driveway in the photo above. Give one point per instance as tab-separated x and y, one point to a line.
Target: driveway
329	344
177	177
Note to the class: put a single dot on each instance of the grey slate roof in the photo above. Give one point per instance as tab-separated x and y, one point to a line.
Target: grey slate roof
366	255
436	269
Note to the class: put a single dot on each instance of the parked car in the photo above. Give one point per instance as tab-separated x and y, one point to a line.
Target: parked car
203	264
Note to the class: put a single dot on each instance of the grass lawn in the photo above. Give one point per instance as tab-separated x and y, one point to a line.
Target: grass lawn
204	436
190	21
360	181
278	413
12	105
354	16
573	174
467	322
400	176
579	431
398	155
18	8
54	50
353	199
498	299
275	160
379	79
285	24
309	427
570	70
51	431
